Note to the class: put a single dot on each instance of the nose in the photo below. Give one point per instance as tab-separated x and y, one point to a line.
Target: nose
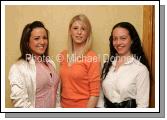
118	42
79	31
42	41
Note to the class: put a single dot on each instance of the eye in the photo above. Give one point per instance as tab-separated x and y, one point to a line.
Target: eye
37	38
45	37
83	29
114	38
123	38
75	28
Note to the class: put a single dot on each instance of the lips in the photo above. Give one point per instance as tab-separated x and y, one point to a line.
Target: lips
120	47
79	37
41	47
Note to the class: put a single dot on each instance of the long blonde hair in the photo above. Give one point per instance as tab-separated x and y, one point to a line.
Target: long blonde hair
85	20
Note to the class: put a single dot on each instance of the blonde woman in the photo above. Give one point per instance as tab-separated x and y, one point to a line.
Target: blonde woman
80	68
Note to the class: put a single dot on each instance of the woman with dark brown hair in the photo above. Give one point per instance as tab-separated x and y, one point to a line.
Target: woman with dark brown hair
125	75
33	77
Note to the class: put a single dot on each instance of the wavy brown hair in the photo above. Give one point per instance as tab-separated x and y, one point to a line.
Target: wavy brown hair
136	47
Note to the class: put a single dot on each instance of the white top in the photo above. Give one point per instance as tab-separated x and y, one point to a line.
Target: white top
22	78
129	81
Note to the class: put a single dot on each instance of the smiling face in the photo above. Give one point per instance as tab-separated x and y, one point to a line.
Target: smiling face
79	32
38	41
122	41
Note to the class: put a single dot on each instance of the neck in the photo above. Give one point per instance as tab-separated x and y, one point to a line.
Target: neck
38	58
124	57
78	49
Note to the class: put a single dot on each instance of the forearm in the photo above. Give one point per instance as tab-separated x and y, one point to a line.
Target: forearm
92	102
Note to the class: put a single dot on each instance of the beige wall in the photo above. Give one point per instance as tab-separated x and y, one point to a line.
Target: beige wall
56	19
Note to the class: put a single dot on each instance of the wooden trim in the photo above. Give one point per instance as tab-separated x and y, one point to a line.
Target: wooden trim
149	46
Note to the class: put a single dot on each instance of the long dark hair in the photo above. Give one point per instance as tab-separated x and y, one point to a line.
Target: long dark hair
136	47
24	43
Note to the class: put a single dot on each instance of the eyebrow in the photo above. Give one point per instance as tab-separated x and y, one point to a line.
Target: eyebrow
35	36
124	36
78	26
121	36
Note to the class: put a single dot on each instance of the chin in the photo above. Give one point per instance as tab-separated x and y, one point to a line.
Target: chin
41	53
121	54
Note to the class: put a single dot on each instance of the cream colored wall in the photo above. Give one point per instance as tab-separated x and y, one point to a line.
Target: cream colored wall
56	19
